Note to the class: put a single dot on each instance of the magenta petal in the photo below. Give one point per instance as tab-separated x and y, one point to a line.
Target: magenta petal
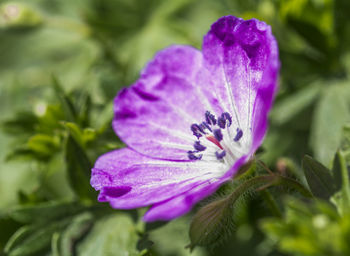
128	179
181	204
154	115
242	57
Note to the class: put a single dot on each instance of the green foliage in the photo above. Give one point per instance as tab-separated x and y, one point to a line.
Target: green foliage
62	63
319	178
310	229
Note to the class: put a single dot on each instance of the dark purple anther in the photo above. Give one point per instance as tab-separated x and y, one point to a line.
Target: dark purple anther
210	118
227	117
218	134
221	122
198	146
220	155
204	126
192	156
238	135
197	130
224	119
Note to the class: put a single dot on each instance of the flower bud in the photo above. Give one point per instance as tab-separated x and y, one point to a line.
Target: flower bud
211	223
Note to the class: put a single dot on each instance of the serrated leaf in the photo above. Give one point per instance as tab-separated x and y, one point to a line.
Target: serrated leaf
78	169
319	178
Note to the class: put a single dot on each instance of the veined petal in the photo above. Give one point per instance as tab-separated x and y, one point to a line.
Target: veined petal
242	57
154	115
128	179
181	204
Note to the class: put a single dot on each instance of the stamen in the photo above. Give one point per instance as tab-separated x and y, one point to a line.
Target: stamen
227	117
218	134
197	130
210	118
204	126
238	135
224	119
220	155
197	146
192	156
221	122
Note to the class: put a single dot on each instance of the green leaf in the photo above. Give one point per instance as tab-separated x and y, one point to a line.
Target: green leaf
36	239
331	114
287	108
81	136
44	144
45	212
23	122
341	175
307	228
10	226
67	105
113	235
78	227
319	178
78	169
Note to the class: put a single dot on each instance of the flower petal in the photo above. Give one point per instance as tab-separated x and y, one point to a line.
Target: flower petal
128	179
242	57
154	115
181	204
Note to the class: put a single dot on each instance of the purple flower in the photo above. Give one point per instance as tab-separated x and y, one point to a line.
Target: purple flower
191	120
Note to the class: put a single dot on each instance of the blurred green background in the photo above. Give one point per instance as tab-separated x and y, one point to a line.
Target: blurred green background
61	64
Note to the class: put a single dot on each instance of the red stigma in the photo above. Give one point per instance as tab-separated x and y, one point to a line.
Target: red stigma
211	138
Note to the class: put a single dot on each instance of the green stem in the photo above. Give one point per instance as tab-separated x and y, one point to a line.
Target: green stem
345	180
294	184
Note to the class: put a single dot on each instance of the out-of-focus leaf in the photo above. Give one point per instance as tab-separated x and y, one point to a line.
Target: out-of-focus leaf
84	110
78	169
81	136
345	145
112	235
319	178
33	240
286	109
23	123
169	239
45	212
341	175
309	229
331	114
78	227
311	34
10	226
44	144
67	105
